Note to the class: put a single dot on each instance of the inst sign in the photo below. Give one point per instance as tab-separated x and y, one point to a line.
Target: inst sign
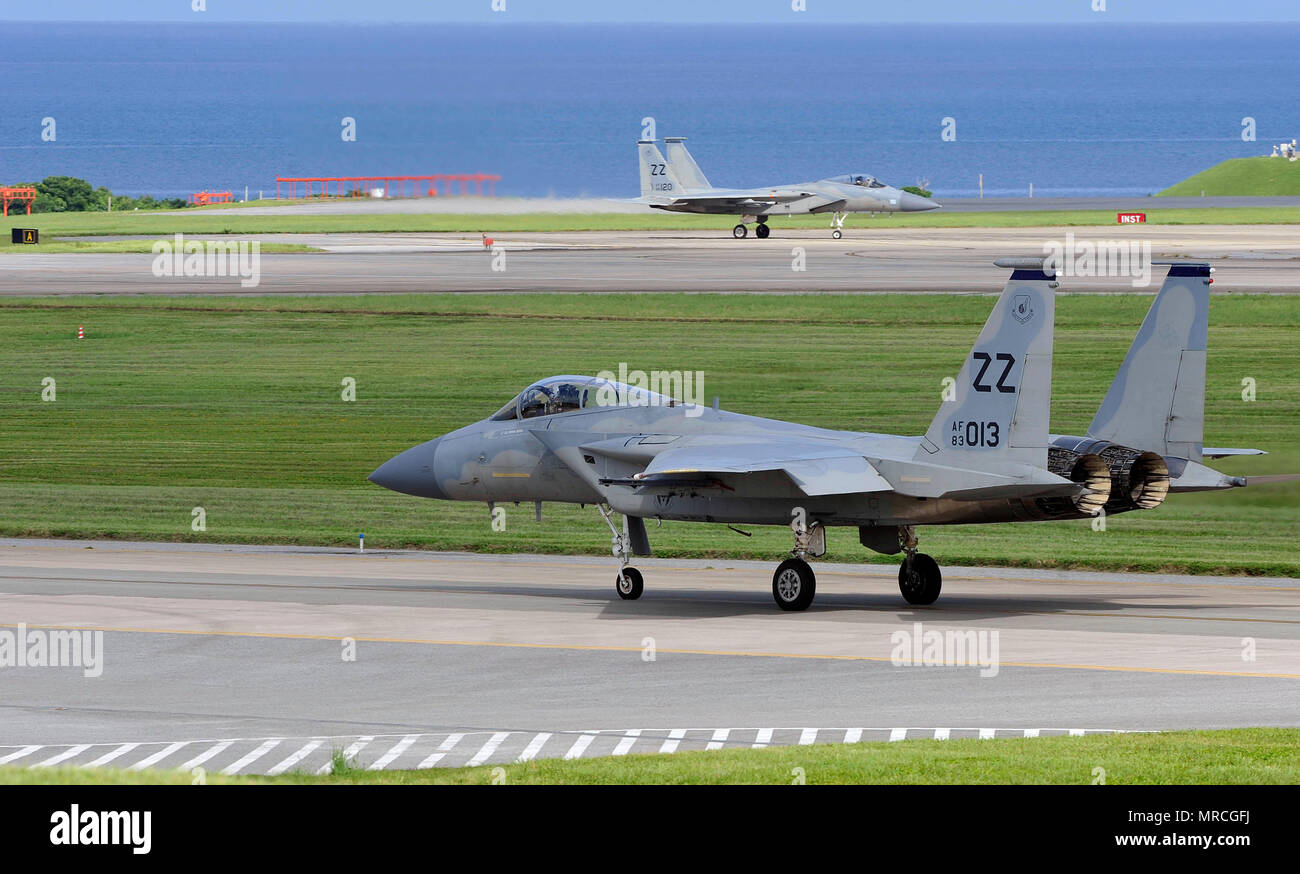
1132	218
18	236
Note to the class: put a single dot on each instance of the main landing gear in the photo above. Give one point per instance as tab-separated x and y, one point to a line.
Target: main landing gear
628	583
761	230
919	578
794	585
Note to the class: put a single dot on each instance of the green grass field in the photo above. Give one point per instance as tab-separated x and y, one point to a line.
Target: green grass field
1233	757
269	220
233	404
1242	177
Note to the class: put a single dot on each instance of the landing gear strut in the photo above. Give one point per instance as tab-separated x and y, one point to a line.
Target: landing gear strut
919	578
794	585
762	230
837	222
628	583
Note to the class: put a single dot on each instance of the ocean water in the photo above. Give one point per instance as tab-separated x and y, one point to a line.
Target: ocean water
169	109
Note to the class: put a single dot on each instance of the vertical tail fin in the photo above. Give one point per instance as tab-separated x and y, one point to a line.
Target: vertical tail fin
998	410
1157	400
657	177
683	165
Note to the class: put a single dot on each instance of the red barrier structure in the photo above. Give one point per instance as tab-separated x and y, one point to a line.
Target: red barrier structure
361	186
203	198
17	195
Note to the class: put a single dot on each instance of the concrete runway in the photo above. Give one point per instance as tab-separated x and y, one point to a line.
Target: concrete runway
871	258
231	658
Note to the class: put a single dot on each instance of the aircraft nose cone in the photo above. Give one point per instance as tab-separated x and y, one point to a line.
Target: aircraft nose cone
411	472
910	202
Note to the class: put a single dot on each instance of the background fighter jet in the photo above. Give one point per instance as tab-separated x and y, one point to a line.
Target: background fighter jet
678	185
986	457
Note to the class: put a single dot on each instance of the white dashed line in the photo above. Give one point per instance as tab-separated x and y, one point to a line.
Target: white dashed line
295	758
674	738
488	748
534	746
156	757
579	746
251	757
215	750
400	747
450	750
445	747
111	755
63	756
629	740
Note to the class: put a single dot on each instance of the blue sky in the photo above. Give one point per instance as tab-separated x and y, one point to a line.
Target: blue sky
668	11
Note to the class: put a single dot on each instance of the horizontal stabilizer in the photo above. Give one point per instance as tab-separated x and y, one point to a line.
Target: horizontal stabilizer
1214	452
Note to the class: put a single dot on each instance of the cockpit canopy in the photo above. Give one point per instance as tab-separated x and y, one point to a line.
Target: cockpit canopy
564	394
864	179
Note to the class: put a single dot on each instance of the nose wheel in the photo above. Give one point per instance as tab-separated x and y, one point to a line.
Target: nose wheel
629	584
837	223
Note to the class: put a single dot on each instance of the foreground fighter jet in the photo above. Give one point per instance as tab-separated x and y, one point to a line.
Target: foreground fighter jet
678	185
986	457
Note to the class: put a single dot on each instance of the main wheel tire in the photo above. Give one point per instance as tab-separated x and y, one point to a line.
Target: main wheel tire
629	584
922	581
739	232
762	231
836	234
794	584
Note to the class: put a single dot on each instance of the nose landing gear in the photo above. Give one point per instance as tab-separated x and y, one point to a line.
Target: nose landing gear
628	583
837	222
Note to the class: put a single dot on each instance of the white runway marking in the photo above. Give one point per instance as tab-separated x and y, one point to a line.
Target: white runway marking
485	752
400	747
448	750
628	741
13	757
111	755
251	757
295	758
67	754
674	738
445	747
156	757
215	750
534	746
580	746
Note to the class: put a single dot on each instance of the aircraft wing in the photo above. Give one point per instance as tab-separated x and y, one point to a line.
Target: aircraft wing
815	470
752	197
